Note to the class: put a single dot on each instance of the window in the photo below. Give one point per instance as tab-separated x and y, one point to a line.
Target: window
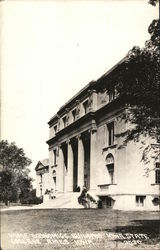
40	178
54	180
40	191
86	107
110	167
74	115
111	94
157	172
140	201
108	202
55	156
110	128
55	129
54	173
111	173
64	121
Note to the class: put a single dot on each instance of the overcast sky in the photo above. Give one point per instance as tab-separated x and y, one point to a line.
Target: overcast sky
51	49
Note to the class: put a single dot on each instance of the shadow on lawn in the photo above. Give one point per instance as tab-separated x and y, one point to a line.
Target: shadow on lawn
151	228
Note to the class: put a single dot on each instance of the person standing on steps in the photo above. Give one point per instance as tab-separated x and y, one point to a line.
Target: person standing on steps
52	194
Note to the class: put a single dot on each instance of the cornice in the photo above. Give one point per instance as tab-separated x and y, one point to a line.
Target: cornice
89	88
90	116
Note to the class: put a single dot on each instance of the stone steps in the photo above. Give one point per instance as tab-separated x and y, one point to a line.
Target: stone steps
66	200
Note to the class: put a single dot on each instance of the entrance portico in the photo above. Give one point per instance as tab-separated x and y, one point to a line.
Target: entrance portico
74	163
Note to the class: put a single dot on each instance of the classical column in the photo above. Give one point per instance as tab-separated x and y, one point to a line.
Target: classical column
60	171
80	162
70	167
66	173
93	154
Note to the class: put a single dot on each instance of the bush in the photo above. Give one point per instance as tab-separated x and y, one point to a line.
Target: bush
31	200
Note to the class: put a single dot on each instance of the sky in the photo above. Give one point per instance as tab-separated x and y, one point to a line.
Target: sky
51	49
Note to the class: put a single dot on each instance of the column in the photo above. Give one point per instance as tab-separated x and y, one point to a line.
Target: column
93	156
50	181
80	162
70	167
65	155
60	171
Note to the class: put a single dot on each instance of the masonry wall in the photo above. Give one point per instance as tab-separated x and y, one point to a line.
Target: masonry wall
130	179
42	185
130	176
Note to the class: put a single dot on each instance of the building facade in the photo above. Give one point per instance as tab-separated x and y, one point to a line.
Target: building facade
42	177
84	150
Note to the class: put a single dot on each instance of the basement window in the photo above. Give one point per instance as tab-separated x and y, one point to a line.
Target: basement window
140	200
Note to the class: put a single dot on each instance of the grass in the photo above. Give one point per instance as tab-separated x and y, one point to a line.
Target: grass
68	229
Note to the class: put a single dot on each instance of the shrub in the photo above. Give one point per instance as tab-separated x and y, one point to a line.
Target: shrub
31	200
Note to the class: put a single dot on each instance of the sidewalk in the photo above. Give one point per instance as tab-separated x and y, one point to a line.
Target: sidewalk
10	208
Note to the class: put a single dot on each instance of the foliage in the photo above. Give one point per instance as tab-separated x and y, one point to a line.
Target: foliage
30	198
13	158
8	189
86	199
153	2
138	85
14	179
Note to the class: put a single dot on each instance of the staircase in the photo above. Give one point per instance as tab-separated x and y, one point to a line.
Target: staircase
65	200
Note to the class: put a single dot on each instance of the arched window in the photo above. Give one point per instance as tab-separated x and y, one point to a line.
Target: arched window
110	167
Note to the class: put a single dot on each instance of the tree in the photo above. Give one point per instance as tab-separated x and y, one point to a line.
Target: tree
153	2
14	172
138	85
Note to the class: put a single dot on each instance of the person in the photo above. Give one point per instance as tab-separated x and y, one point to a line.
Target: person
86	200
82	199
52	194
47	191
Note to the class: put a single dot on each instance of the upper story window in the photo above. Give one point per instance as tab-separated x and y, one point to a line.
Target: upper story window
111	94
55	129
55	156
64	121
86	107
110	128
157	173
74	115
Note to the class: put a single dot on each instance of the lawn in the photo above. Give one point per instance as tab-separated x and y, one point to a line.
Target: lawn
79	229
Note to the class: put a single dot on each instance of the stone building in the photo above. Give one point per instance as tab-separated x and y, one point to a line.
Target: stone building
85	151
42	177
